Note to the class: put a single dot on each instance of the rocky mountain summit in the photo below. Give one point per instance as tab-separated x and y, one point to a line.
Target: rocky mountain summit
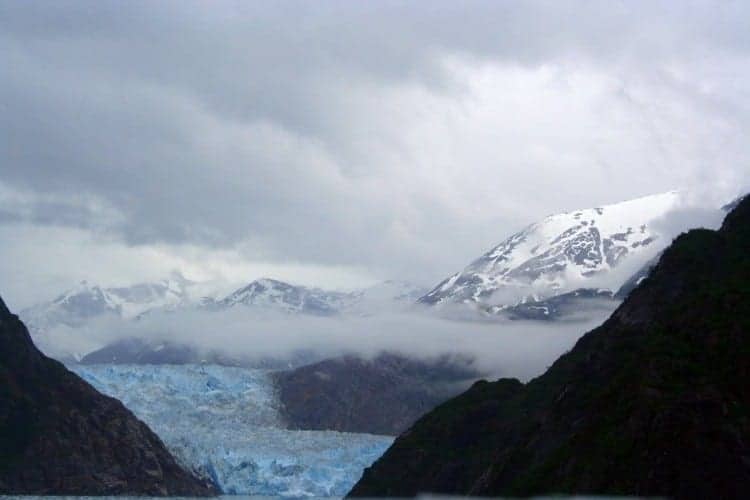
654	402
60	436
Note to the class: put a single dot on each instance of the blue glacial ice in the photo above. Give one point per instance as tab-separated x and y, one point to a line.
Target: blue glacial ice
224	424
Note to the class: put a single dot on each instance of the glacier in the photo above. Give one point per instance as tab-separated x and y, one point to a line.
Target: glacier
224	423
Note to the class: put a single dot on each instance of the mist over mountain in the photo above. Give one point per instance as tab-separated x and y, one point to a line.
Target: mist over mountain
281	233
571	267
654	402
74	323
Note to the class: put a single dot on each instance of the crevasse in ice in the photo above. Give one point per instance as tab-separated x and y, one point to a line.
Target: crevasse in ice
224	423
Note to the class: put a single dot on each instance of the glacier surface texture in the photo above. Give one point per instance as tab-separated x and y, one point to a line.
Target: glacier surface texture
224	423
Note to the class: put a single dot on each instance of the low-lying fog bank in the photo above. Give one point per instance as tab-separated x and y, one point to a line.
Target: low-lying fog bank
520	349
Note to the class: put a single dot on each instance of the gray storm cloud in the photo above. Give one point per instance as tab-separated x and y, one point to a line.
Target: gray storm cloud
400	138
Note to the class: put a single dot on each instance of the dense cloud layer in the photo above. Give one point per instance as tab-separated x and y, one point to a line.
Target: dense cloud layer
380	139
497	348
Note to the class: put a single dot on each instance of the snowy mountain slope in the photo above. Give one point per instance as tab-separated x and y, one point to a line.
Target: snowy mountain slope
86	301
591	248
270	295
263	298
74	311
73	325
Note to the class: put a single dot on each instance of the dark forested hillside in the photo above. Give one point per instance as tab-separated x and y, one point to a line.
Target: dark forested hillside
58	435
656	401
382	395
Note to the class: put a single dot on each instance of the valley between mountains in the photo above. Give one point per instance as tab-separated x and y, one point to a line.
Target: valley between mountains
288	390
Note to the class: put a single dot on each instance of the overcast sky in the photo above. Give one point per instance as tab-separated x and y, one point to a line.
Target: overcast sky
340	143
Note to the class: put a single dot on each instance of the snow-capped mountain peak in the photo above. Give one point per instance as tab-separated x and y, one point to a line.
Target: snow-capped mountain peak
590	248
277	296
72	307
270	295
86	300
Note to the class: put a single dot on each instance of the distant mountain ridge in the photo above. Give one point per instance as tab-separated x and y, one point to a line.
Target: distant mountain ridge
278	296
590	248
78	307
553	270
87	300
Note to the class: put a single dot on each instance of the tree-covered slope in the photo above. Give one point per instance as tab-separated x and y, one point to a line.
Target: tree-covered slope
381	395
656	401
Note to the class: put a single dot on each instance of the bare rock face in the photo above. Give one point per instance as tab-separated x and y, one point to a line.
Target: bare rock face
58	435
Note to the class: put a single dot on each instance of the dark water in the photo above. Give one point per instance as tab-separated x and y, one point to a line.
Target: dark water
244	497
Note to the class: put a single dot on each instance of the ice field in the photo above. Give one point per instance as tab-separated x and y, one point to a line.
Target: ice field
224	423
